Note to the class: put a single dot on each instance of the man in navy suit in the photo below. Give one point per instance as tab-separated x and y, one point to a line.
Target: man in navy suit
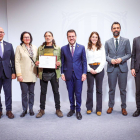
7	73
73	70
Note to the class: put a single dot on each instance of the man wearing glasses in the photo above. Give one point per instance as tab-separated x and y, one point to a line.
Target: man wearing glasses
74	69
7	73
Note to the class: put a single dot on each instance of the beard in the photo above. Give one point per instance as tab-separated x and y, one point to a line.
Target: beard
116	33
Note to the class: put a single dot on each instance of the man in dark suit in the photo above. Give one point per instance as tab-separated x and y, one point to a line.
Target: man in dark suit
74	69
7	73
118	51
135	71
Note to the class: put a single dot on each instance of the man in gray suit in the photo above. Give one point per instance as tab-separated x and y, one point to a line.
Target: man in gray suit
135	71
118	51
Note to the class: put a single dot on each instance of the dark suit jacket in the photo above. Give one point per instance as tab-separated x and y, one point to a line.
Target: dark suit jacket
135	58
123	52
77	63
7	63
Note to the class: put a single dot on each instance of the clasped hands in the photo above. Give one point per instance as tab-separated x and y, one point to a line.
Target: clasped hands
116	61
84	76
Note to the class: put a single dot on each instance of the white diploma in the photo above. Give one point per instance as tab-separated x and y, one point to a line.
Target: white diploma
47	62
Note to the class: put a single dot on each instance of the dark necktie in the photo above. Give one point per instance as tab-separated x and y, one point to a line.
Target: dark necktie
116	44
72	50
1	54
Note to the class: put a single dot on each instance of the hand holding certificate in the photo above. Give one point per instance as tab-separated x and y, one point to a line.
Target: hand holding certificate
47	62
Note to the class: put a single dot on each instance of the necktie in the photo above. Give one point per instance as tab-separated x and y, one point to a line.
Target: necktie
116	44
72	50
1	54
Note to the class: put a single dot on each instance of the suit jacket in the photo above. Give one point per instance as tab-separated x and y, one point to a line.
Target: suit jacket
77	63
135	58
24	65
123	52
7	63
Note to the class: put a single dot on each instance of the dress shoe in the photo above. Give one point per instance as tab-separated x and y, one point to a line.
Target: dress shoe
59	113
1	114
10	114
71	112
78	115
23	113
31	112
99	113
124	112
40	114
109	111
136	113
88	111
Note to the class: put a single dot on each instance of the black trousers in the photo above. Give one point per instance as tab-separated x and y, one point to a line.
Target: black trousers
27	88
137	82
90	84
55	87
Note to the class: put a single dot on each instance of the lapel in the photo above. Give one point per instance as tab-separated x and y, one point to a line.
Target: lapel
5	48
76	50
120	43
68	51
113	45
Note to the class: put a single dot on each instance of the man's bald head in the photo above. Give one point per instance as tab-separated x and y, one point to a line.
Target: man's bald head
1	33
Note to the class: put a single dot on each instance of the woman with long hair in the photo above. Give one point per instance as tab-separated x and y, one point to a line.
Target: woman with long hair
95	71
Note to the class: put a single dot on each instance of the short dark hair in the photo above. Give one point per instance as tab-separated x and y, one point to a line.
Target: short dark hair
71	31
115	23
21	37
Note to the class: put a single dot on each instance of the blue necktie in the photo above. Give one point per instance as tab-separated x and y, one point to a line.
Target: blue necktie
1	54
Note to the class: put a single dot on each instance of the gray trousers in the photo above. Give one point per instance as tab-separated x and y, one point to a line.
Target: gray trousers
122	82
27	88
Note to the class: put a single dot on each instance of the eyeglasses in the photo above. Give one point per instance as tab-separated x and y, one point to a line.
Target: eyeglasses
26	37
1	32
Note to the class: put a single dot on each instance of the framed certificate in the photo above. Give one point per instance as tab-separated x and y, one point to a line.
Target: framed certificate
47	61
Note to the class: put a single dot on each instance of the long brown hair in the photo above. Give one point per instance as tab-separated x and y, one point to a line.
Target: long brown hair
98	44
53	41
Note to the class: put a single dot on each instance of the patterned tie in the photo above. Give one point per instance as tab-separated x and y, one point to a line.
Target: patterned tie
1	54
116	44
72	51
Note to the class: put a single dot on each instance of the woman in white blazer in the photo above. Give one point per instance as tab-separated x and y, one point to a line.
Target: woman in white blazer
26	71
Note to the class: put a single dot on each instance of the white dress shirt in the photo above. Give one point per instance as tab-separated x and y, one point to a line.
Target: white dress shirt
2	47
115	40
96	56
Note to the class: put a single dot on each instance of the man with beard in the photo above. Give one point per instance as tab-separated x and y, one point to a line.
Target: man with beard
135	71
74	69
118	51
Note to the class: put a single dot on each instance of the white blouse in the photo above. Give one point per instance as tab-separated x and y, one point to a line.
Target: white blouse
96	56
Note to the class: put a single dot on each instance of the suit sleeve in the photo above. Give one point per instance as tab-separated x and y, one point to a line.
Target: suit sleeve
133	56
128	52
62	61
108	59
84	60
17	62
12	60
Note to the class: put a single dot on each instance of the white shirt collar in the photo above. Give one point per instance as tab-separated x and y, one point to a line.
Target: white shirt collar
116	38
73	45
1	41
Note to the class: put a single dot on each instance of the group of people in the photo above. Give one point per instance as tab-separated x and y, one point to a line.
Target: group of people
76	63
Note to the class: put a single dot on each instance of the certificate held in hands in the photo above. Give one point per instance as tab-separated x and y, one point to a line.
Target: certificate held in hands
47	61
